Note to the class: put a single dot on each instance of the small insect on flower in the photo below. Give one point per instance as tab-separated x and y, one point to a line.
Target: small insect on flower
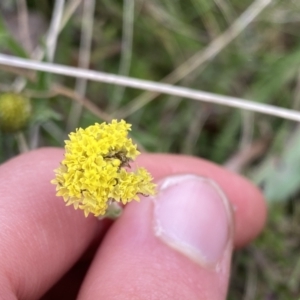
93	175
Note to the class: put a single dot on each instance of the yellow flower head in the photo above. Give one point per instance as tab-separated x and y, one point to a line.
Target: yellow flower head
15	111
93	174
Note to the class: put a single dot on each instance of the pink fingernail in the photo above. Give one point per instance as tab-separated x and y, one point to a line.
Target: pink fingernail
193	216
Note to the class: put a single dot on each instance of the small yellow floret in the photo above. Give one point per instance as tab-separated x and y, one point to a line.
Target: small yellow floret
92	174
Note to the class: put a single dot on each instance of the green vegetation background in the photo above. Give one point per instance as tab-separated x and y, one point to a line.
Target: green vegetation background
262	64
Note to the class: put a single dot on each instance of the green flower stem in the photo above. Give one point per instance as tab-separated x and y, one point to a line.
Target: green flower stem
113	212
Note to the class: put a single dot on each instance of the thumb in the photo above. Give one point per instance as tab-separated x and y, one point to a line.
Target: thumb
177	245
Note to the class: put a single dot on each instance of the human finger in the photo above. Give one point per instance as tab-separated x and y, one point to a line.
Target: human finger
177	245
40	237
246	199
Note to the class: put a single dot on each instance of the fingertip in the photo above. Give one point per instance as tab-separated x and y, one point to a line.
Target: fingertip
249	206
175	246
41	238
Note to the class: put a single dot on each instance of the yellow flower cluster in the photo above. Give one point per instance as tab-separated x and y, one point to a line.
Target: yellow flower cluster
15	111
93	173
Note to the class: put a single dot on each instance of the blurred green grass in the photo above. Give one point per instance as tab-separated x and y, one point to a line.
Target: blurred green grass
262	64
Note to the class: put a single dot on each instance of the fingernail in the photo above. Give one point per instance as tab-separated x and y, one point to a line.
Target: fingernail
193	216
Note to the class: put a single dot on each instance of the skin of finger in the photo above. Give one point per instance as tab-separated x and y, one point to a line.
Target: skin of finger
41	164
133	264
40	237
247	201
